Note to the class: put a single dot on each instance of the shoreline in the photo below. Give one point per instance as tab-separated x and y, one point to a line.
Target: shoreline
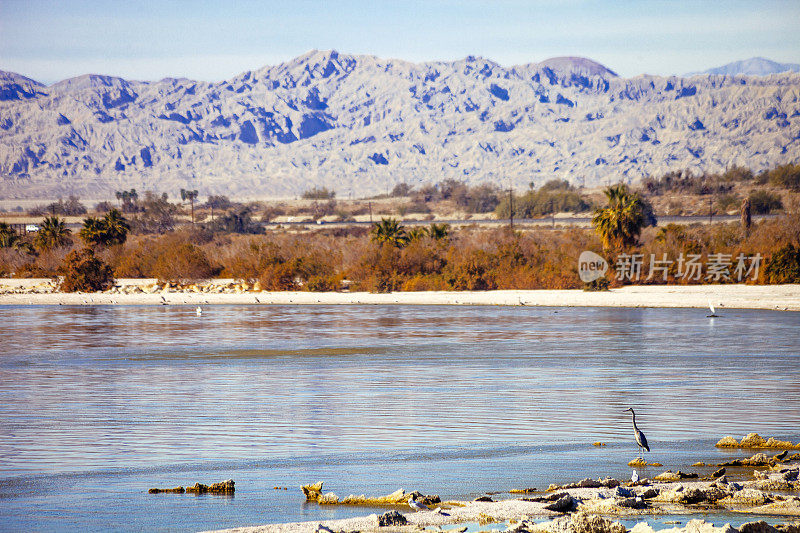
148	292
587	506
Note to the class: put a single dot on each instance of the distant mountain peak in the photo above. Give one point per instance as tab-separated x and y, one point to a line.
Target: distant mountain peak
579	65
755	66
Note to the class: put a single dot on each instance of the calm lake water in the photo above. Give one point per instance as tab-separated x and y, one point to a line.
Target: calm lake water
98	404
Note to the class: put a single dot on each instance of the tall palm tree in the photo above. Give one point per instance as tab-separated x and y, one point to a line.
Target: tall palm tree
53	233
620	224
389	231
189	195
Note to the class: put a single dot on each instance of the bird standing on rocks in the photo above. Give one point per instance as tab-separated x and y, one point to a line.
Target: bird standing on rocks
640	438
417	506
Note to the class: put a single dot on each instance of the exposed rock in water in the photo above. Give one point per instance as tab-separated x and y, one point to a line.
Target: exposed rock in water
562	505
727	442
313	493
759	459
224	487
754	440
579	523
176	490
587	483
669	475
718	473
392	518
694	526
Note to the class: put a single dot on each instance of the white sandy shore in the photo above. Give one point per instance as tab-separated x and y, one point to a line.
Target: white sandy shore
780	297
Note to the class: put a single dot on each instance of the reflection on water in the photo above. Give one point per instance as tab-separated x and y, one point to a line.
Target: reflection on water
135	390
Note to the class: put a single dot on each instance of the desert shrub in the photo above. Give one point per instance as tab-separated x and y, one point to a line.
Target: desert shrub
319	193
33	270
729	202
12	260
785	176
278	277
470	270
238	221
784	265
764	202
156	214
413	207
184	261
377	269
84	272
72	207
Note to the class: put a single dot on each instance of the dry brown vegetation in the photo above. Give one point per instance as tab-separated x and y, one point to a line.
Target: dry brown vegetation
323	258
471	258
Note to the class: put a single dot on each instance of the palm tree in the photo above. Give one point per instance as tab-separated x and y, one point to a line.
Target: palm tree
189	195
116	226
389	231
93	231
438	232
415	234
620	224
53	233
106	231
7	236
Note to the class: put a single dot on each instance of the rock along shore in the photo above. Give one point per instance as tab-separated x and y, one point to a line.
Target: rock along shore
151	292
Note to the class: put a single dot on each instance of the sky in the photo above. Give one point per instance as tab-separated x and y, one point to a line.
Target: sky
51	40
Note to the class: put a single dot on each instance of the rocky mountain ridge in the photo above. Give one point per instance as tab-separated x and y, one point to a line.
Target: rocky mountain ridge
360	124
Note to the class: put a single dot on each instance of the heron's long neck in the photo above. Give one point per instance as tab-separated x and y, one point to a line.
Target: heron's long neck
634	420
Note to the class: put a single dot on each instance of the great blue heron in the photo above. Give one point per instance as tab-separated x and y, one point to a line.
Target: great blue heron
641	440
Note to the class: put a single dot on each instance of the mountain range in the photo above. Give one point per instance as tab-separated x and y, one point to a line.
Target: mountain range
359	124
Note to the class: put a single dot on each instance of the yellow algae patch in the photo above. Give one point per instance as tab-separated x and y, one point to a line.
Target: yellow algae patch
522	491
638	462
598	443
700	464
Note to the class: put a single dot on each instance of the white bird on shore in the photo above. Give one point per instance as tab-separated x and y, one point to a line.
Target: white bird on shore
417	506
199	311
635	476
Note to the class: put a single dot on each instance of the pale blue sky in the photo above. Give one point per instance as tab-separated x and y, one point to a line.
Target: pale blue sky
50	40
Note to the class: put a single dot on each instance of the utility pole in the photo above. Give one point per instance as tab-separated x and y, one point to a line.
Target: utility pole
370	212
711	209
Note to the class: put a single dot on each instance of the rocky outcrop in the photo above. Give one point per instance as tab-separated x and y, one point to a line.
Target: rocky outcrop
313	493
754	440
224	487
362	123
